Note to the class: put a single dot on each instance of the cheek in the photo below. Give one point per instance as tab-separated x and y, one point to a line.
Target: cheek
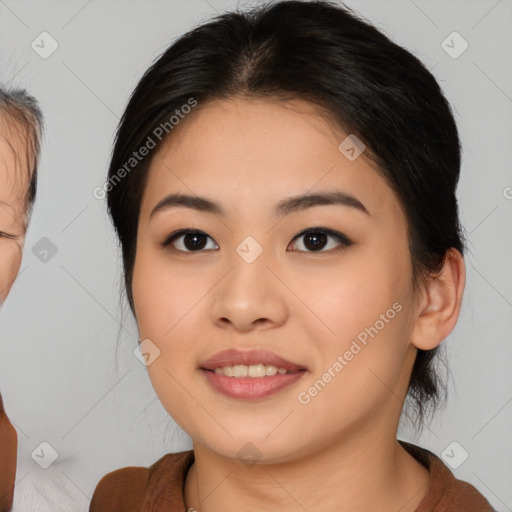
158	301
368	325
361	368
170	313
365	306
351	296
162	294
10	261
147	295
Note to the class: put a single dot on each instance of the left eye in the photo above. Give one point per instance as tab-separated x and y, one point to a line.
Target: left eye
194	241
6	235
316	237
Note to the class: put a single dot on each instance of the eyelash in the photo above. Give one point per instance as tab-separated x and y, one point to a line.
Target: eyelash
6	235
340	237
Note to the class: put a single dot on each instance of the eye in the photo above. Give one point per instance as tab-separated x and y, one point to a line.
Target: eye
195	241
315	239
6	235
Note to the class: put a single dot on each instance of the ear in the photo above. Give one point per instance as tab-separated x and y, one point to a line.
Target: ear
439	303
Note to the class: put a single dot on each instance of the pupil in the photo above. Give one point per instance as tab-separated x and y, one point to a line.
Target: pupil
195	244
318	239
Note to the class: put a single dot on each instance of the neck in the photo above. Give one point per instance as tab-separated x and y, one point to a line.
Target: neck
369	471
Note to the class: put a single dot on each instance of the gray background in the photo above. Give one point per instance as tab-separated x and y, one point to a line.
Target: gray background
62	379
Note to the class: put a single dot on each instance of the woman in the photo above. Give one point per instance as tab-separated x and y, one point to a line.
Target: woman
20	133
283	187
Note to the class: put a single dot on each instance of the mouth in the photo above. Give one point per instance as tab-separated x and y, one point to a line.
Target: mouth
249	363
253	371
250	374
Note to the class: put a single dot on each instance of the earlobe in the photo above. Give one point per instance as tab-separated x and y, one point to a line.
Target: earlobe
440	303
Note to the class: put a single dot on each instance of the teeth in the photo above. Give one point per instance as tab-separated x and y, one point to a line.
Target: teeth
254	370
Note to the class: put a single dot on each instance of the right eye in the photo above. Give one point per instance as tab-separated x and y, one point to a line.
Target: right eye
193	240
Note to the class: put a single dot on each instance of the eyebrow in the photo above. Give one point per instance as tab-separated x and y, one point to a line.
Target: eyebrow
284	207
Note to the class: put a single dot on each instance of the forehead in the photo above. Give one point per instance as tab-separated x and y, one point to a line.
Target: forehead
14	169
251	130
249	153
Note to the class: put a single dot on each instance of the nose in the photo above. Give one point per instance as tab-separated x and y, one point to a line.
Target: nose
250	296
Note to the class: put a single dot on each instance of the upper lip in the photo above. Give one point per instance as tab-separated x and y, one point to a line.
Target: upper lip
233	357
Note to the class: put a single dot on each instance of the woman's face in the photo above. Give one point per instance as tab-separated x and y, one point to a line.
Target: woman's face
13	187
343	312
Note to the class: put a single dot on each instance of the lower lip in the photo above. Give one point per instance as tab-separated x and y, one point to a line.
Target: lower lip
251	387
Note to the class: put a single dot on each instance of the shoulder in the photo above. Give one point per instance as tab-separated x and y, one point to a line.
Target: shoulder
127	489
123	489
456	495
446	493
9	436
8	451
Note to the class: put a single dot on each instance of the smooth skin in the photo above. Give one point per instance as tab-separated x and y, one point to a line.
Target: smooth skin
339	451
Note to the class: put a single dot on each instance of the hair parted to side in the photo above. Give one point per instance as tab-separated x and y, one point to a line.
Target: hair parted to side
322	52
22	116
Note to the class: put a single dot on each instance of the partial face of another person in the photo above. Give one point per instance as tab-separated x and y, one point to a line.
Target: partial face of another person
14	182
305	297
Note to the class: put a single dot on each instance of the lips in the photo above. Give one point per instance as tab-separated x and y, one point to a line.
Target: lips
233	357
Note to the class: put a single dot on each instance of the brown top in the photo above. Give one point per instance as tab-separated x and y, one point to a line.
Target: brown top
160	488
8	450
